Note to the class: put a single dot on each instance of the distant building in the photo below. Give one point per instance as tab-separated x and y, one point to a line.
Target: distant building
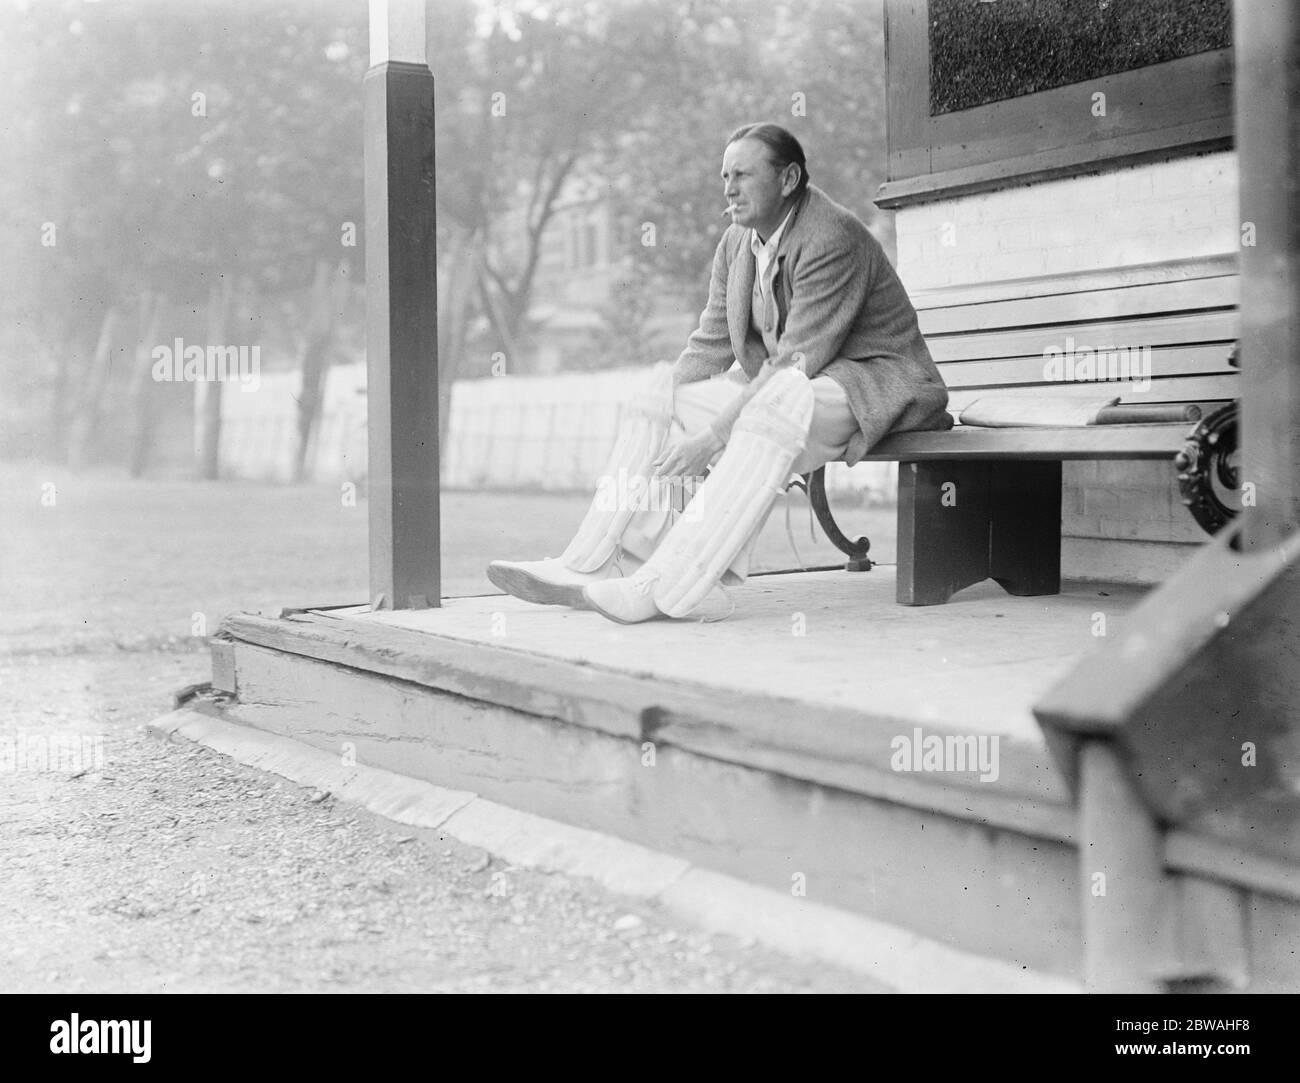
586	311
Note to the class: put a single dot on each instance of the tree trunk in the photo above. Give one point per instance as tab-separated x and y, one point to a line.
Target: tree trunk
507	308
141	397
69	360
207	393
457	305
505	323
85	423
328	292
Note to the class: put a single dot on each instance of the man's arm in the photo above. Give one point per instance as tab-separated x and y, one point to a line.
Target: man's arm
708	350
829	290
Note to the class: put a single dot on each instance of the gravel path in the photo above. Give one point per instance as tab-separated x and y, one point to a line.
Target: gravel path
166	867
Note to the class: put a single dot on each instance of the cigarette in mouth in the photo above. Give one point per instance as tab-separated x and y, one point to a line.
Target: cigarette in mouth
725	211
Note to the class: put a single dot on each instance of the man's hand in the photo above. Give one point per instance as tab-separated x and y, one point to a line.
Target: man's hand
689	458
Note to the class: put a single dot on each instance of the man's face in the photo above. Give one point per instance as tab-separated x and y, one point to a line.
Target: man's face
755	189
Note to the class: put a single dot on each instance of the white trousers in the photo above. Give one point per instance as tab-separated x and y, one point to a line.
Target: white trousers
695	407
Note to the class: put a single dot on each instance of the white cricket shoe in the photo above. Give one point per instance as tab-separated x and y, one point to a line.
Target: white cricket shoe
549	581
628	601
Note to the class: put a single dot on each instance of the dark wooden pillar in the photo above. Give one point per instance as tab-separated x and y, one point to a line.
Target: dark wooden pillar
1127	924
401	311
1267	45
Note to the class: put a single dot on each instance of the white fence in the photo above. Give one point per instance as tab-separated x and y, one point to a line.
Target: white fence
259	429
507	432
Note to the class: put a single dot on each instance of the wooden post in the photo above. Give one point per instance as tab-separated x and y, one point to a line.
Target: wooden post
1126	920
1267	43
401	310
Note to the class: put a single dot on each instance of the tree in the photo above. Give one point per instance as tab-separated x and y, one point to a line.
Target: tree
173	147
815	67
539	95
169	147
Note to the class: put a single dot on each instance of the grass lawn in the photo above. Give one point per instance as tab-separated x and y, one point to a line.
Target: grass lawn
113	561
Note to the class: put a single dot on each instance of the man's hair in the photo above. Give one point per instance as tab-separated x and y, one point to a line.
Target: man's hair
783	147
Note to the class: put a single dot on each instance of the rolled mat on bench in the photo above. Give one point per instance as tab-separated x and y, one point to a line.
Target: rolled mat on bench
1155	413
1044	411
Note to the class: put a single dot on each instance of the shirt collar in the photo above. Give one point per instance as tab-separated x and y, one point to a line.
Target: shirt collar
769	249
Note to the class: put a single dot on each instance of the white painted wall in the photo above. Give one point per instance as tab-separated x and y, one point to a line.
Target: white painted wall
1179	209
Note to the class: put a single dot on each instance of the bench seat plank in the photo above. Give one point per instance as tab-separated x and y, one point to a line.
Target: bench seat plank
1169	389
1086	442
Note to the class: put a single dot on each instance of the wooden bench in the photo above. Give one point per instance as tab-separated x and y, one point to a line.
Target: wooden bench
976	503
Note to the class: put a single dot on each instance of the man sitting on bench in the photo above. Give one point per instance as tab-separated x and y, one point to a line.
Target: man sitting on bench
832	360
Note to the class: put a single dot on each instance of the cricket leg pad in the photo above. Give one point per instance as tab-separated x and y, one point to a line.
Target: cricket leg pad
735	498
625	485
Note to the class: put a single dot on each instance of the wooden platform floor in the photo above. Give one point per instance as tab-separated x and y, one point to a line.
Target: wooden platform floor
818	666
774	731
831	639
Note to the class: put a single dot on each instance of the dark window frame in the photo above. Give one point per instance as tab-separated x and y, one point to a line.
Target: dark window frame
1165	110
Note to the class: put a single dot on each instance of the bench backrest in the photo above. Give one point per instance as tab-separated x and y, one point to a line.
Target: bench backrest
1173	322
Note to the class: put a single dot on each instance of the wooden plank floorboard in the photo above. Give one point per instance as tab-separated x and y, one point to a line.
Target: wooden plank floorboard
829	639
